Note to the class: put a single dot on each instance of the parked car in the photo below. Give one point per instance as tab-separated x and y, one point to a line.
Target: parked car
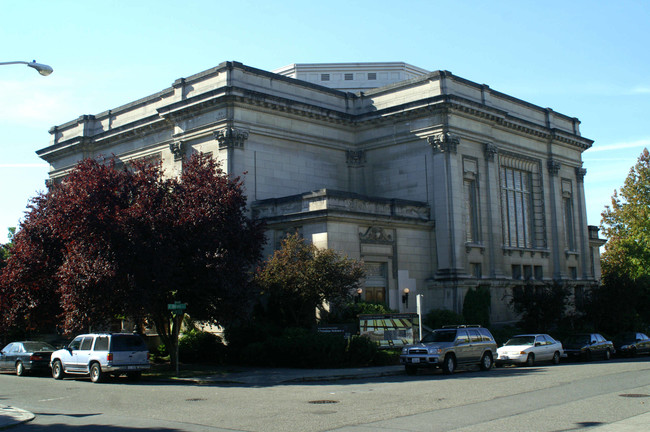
102	354
527	349
632	343
586	346
450	347
26	357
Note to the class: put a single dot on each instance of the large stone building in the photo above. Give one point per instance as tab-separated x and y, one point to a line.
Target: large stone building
439	184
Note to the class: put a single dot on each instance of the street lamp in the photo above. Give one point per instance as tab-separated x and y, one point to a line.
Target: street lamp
42	69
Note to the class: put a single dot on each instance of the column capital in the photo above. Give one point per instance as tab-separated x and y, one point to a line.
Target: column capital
490	150
355	158
230	137
178	150
580	174
553	167
444	142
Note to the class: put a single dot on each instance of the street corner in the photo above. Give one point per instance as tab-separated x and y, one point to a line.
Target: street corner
11	416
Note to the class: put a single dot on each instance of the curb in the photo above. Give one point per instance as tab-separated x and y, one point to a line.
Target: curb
10	416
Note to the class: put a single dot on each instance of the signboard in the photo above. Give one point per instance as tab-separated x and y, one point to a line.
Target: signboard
177	307
390	330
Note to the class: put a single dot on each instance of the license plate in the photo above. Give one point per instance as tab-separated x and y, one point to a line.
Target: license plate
415	360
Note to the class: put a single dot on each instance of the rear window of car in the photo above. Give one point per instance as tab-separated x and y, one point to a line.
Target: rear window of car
36	346
101	343
127	343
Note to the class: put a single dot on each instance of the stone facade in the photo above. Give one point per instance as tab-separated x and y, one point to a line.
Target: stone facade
439	184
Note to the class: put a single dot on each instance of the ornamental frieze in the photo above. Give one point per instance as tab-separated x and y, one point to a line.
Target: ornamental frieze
376	234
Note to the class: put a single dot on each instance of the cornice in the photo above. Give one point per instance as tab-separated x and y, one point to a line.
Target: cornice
233	96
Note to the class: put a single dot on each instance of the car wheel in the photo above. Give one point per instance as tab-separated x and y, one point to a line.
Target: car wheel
96	374
486	361
556	358
20	368
411	370
530	361
57	370
449	365
608	354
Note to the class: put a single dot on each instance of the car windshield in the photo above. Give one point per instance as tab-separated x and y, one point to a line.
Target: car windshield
579	339
37	346
127	343
440	336
521	340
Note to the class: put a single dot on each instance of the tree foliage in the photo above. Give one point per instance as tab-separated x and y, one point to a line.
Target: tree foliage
541	307
476	306
624	297
105	242
300	278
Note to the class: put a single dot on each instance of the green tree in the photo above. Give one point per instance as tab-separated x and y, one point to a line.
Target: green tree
541	307
5	249
476	306
300	278
624	297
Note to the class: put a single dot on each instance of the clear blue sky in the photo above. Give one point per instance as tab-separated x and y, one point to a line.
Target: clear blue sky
585	59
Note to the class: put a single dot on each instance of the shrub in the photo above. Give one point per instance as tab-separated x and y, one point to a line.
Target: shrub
438	318
476	306
196	346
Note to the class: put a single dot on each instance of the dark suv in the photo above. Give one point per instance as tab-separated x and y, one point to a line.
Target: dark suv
450	347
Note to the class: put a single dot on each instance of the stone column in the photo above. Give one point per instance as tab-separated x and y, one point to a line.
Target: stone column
582	222
494	224
356	160
447	192
553	167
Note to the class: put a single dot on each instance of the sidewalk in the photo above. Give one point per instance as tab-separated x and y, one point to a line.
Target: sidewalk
11	416
275	376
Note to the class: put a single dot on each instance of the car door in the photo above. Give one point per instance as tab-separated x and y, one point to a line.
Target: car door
462	347
82	356
644	344
69	356
599	346
4	356
475	346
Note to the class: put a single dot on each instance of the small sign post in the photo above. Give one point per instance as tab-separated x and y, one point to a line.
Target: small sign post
178	309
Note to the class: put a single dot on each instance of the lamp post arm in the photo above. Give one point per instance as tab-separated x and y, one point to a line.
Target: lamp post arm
42	69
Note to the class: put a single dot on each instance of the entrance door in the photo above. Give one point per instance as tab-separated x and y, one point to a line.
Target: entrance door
375	290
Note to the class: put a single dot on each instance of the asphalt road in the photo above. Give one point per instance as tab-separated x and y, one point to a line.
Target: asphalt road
567	397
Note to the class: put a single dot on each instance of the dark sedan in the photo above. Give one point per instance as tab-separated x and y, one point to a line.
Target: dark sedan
587	346
632	343
26	356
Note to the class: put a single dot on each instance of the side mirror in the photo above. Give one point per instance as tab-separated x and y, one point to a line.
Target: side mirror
538	344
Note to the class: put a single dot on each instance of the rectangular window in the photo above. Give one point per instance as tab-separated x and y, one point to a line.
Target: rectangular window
372	76
528	272
477	270
569	230
539	272
516	199
471	209
324	77
516	271
349	76
573	272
